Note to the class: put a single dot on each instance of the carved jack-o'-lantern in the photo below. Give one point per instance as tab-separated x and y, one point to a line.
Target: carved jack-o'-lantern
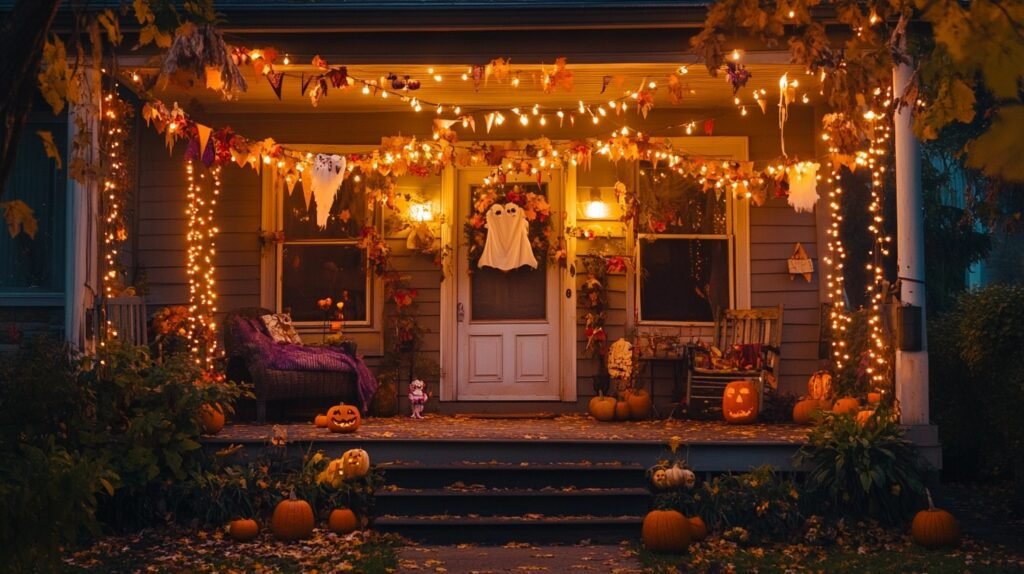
819	386
659	478
355	463
740	402
689	478
343	418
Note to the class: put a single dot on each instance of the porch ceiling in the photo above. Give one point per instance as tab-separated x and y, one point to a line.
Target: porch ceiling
701	91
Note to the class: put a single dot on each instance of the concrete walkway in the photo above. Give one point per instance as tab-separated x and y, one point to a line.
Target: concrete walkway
518	557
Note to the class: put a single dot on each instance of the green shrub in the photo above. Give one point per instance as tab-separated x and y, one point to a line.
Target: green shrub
85	442
862	471
764	503
977	382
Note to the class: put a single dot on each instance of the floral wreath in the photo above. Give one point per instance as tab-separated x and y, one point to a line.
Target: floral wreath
538	217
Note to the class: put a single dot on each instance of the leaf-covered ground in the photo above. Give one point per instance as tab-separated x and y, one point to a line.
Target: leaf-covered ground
183	551
875	551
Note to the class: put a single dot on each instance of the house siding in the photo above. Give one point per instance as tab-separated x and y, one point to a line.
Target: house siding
774	227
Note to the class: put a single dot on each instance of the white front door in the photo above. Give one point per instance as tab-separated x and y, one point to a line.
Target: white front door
507	322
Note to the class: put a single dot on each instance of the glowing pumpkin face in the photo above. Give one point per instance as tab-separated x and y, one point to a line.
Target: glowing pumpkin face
355	463
740	402
660	479
343	418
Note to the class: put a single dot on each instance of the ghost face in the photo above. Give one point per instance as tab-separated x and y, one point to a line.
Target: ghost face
508	240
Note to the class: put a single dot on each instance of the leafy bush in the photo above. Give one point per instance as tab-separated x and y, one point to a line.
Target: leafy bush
85	441
762	504
252	489
868	471
977	381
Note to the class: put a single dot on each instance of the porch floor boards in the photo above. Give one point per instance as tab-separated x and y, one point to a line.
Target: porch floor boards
572	428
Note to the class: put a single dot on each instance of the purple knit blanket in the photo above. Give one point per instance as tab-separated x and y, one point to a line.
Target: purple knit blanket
290	357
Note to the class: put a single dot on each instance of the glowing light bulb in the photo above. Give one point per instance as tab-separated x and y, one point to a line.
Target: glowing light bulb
287	60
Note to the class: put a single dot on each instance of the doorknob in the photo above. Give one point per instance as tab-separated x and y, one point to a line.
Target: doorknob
460	312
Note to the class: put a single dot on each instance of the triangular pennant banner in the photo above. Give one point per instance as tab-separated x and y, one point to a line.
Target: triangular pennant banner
307	186
305	83
276	80
209	153
204	135
328	173
489	118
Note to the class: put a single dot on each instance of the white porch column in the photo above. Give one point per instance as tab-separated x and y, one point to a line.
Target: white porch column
911	367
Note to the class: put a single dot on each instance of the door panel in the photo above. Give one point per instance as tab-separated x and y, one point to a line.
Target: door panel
485	359
508	335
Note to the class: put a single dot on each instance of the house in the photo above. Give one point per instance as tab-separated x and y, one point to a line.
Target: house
503	341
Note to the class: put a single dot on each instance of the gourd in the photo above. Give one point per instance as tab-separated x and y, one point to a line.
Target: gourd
698	530
292	519
602	408
665	531
846	405
212	418
243	529
934	527
639	401
343	419
740	402
342	521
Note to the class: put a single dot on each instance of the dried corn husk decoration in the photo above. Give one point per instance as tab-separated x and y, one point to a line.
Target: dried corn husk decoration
194	50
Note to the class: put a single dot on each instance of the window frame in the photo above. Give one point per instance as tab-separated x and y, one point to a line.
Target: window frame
369	333
725	148
56	298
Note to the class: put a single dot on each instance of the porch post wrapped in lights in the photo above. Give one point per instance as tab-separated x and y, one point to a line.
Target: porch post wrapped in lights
911	366
202	301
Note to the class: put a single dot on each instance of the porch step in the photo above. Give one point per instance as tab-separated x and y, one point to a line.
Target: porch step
503	529
499	502
523	475
470	499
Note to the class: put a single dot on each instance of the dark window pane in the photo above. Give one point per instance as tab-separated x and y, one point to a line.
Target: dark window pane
680	203
27	264
347	210
683	279
519	294
313	272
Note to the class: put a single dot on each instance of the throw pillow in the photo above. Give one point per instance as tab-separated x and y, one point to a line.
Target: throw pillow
280	327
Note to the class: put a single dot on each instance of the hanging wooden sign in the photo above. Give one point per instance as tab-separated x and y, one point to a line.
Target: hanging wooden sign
800	263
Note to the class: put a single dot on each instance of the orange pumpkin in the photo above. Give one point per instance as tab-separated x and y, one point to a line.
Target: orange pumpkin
212	418
740	402
342	521
639	401
343	418
934	527
665	531
808	411
621	410
320	421
698	530
355	463
846	406
292	519
602	408
874	398
819	386
243	529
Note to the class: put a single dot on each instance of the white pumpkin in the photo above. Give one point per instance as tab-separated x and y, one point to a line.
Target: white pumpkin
689	478
675	476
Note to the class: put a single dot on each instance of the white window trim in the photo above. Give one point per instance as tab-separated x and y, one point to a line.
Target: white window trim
369	334
732	148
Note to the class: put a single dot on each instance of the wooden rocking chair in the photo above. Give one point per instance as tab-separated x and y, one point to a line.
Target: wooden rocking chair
749	341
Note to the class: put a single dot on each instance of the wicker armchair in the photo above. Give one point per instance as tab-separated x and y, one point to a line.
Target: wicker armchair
272	384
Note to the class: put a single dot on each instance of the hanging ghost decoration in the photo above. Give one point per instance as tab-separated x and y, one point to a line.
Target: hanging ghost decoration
328	173
803	183
508	239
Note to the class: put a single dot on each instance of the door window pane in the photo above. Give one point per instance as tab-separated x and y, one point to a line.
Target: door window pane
517	295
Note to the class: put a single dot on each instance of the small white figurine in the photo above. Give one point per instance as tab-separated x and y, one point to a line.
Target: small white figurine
417	397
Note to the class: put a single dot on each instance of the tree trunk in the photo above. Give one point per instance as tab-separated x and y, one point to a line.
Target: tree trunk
22	36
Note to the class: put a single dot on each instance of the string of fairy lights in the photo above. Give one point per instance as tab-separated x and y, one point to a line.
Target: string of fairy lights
201	238
114	140
623	142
